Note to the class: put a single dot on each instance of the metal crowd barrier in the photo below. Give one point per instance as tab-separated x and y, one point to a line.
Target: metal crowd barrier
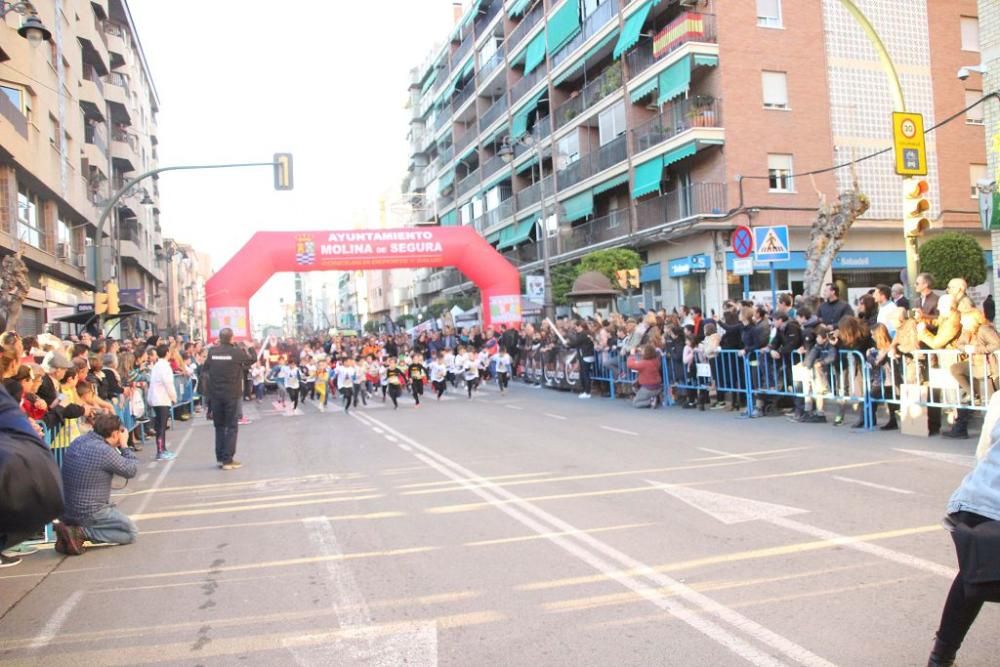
952	379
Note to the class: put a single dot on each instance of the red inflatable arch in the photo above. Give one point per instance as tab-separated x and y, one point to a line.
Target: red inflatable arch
228	292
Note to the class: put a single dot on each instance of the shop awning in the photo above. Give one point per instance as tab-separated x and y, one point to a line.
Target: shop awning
674	81
678	154
564	25
647	177
633	26
576	67
429	81
449	219
704	60
614	182
535	53
578	206
518	7
650	273
446	179
494	237
517	233
644	89
519	124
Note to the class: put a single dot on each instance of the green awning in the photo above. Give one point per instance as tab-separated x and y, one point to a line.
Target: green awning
527	164
687	150
578	206
674	81
535	53
704	60
445	180
502	174
467	69
519	125
517	58
518	8
449	219
494	237
574	68
517	233
564	25
601	44
643	90
633	26
469	150
647	177
429	81
614	182
502	130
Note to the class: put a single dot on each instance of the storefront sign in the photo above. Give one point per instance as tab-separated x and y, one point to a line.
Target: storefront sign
685	266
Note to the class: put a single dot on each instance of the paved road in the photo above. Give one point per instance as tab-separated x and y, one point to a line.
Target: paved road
529	529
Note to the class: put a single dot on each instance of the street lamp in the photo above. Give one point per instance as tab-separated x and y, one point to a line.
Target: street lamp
32	28
506	154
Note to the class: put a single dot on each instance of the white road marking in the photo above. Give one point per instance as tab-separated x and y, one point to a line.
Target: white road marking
618	430
163	473
732	509
549	414
390	438
143	477
151	465
964	460
55	622
361	641
892	489
727	455
614	564
513	407
405	448
378	430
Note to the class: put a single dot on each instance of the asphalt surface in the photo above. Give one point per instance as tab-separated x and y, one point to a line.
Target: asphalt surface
528	529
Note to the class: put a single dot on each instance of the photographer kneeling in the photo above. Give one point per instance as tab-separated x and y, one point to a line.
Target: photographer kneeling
90	463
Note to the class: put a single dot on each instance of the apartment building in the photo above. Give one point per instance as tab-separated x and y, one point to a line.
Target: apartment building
77	119
661	125
184	312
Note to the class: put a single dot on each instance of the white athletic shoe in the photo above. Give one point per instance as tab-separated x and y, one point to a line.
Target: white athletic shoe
584	396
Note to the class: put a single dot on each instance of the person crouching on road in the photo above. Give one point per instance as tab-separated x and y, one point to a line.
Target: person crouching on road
162	393
650	377
90	463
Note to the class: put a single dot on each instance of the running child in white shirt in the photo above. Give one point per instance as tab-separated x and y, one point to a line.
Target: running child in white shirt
502	366
439	374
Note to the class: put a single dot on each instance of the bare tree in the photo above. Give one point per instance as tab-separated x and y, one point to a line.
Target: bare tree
14	287
829	232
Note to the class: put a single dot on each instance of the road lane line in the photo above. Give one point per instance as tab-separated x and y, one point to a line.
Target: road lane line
667	599
892	489
618	430
513	407
144	503
143	477
964	460
55	622
549	414
727	455
405	448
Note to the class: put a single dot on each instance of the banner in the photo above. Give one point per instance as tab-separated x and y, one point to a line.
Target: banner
505	309
234	318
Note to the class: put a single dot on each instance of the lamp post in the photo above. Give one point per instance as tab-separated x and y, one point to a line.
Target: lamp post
32	28
506	154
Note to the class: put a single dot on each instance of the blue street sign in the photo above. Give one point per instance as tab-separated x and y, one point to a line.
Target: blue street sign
771	244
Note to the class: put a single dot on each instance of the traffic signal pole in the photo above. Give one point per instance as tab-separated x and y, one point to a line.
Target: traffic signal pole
899	105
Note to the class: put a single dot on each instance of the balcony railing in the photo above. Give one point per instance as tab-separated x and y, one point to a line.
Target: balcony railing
675	118
93	133
463	95
466	138
118	79
115	29
493	165
442	117
468	183
523	254
444	201
484	19
591	26
489	65
700	28
462	49
609	81
445	155
496	110
494	216
120	134
519	89
589	164
608	227
533	194
90	74
693	200
524	27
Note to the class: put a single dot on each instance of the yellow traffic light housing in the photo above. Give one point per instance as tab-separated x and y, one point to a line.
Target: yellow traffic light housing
633	278
114	307
100	303
916	206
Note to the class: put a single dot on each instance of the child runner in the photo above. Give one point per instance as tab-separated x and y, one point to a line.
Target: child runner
456	367
292	384
257	374
502	363
278	375
470	371
383	379
371	374
394	379
360	371
451	371
439	374
346	375
322	378
483	364
417	373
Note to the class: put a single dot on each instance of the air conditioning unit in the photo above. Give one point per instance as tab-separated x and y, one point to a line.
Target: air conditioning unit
62	251
81	260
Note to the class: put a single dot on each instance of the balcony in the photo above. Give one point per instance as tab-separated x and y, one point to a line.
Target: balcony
519	89
468	183
118	91
462	49
675	118
483	20
593	163
525	26
542	129
526	253
608	83
124	149
493	165
593	24
442	117
445	155
115	37
698	28
606	228
496	110
94	134
466	138
485	68
90	74
694	200
532	194
463	96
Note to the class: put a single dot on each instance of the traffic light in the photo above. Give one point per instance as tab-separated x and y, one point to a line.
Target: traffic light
916	206
622	276
100	303
111	295
282	171
633	279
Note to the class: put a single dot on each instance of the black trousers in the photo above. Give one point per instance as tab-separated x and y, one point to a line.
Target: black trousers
394	392
348	394
503	379
440	386
960	611
585	370
417	388
225	416
161	414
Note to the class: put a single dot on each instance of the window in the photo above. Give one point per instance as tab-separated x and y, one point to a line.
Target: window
590	6
611	123
64	242
16	96
569	150
779	172
775	86
977	172
974	116
55	136
27	219
493	198
769	13
970	33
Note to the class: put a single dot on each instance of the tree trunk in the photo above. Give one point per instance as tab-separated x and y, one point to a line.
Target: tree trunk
14	287
828	234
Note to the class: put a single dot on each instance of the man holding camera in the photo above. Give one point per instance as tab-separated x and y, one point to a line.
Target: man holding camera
90	463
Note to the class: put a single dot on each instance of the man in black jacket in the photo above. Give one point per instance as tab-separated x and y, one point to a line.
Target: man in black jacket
226	365
584	345
833	309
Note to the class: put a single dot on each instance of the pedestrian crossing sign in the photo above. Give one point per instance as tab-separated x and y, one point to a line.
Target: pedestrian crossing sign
771	244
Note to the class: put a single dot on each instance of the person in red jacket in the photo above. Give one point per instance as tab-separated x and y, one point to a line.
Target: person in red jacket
650	380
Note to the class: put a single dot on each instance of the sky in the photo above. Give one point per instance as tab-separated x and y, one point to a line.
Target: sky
239	80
